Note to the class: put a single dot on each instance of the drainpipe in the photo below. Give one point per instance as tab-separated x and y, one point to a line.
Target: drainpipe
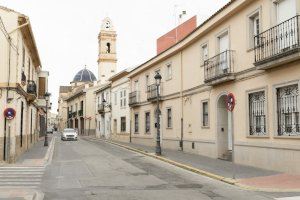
181	98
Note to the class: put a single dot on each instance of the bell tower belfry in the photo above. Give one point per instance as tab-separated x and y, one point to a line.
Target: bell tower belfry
107	58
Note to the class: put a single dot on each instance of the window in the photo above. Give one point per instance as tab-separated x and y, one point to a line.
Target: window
204	52
123	98
254	29
108	47
136	86
288	110
136	123
123	124
222	66
23	58
205	114
29	69
147	122
81	105
257	117
169	118
147	81
116	98
169	71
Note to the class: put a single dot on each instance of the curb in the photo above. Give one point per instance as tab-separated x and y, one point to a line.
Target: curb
49	154
201	172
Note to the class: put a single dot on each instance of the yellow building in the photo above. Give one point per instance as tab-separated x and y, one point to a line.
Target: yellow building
22	86
249	48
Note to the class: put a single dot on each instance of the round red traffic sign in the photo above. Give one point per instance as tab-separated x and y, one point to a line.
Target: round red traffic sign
9	113
230	102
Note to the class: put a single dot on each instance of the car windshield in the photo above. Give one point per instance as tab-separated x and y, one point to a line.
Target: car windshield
69	130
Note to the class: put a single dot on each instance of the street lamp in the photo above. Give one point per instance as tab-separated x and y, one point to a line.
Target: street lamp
157	78
47	97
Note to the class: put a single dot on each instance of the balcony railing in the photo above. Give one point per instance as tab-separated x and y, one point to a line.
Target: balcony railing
80	113
152	92
74	114
101	108
134	98
219	66
277	42
31	87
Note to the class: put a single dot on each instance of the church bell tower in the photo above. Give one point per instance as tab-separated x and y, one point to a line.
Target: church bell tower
107	58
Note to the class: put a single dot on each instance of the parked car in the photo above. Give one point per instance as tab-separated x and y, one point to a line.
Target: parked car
69	134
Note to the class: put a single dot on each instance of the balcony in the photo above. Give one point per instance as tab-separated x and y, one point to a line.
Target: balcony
74	114
278	45
220	68
134	98
69	115
152	92
31	90
101	108
80	113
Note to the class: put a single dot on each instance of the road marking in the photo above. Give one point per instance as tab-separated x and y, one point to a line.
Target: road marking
21	177
289	198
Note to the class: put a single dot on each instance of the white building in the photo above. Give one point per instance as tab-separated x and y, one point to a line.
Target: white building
103	116
120	113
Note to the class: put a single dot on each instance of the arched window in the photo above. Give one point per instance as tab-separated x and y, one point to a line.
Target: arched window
108	47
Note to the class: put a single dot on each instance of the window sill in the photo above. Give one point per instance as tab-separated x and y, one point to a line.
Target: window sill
168	79
287	137
257	136
169	128
136	133
205	127
250	49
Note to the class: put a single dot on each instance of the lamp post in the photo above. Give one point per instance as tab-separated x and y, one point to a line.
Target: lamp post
47	96
157	78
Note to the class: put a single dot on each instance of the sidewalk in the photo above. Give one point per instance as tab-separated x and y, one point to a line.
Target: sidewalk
36	158
246	177
36	155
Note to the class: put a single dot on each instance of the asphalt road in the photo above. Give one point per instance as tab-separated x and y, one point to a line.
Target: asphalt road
87	169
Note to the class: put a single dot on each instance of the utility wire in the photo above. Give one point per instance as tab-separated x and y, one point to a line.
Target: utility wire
6	35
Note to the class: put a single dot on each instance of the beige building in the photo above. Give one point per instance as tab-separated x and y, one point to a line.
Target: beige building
76	105
248	48
62	110
107	58
22	86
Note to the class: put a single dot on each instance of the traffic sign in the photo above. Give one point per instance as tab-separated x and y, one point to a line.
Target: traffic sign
9	113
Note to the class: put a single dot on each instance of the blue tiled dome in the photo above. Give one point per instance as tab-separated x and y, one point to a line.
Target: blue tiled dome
85	75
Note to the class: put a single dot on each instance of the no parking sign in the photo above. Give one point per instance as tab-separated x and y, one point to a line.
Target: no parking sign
230	102
9	113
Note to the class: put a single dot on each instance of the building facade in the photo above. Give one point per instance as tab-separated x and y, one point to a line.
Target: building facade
107	58
120	113
62	110
80	103
248	48
103	116
22	86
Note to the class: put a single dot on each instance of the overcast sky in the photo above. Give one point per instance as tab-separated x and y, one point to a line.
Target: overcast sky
66	30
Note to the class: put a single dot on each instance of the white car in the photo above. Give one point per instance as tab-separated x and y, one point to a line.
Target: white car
69	134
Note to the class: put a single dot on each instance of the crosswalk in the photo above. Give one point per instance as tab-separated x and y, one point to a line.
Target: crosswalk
21	177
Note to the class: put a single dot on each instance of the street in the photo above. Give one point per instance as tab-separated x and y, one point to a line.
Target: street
89	169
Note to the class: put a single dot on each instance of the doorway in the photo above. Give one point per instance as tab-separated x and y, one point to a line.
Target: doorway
224	124
81	126
115	126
